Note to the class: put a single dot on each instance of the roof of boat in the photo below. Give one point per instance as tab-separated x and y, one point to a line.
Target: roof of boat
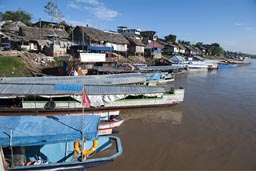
19	89
31	130
158	68
110	79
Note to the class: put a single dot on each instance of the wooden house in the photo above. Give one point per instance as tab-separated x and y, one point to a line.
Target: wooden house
182	49
148	36
154	50
89	36
52	42
190	51
136	47
171	49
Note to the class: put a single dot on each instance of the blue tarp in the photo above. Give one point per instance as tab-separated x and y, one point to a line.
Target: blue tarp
155	76
72	87
100	48
40	130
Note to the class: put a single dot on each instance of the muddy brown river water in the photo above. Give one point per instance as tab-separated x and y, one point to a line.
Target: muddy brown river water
213	129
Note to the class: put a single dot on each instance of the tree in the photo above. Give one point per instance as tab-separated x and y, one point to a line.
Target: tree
199	44
18	15
68	28
170	38
217	51
184	42
1	16
215	45
52	10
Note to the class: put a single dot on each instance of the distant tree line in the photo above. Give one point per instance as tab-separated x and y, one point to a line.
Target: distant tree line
214	49
18	15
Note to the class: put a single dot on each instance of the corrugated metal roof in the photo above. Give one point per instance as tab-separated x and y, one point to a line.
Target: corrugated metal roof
48	89
158	68
111	79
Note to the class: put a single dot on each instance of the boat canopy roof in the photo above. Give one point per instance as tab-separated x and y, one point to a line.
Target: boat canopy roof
40	130
110	79
158	68
75	89
155	76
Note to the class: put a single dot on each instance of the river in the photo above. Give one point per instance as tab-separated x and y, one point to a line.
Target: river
213	129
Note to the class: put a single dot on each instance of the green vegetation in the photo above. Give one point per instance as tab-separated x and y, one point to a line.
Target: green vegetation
170	38
184	42
18	15
13	67
216	50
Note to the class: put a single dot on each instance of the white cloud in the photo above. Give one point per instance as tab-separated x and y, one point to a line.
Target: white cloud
104	13
238	24
95	8
92	2
72	5
248	28
101	12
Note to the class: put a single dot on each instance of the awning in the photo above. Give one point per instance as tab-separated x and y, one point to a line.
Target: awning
100	48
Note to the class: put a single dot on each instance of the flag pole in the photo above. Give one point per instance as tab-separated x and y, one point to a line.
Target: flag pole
83	140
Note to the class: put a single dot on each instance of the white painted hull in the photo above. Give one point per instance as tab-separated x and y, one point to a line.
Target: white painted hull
106	128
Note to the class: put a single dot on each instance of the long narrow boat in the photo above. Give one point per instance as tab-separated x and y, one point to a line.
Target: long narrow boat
52	143
50	98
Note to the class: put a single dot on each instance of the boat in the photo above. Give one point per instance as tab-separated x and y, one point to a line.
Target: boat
109	79
159	78
49	98
109	127
201	65
110	120
55	143
226	65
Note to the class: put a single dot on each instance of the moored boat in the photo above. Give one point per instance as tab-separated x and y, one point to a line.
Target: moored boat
159	78
50	98
52	142
108	127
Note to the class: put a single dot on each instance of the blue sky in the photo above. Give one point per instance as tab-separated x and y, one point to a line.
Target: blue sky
231	23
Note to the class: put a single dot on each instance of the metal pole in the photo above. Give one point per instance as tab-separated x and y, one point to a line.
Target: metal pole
11	147
83	140
39	28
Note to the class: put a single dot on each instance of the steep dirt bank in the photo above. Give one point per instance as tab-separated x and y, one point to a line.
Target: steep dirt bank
34	61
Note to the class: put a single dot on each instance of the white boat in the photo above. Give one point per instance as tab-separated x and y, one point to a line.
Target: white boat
201	65
107	127
159	78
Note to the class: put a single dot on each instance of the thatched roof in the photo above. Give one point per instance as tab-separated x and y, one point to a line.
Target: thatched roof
99	35
11	26
134	41
32	33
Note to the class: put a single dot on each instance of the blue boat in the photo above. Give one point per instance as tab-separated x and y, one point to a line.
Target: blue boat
222	65
54	143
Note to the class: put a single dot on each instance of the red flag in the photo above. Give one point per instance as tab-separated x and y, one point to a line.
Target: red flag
85	101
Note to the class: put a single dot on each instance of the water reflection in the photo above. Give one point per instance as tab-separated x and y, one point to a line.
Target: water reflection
154	115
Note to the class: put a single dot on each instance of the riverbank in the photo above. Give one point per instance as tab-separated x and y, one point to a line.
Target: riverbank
32	64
